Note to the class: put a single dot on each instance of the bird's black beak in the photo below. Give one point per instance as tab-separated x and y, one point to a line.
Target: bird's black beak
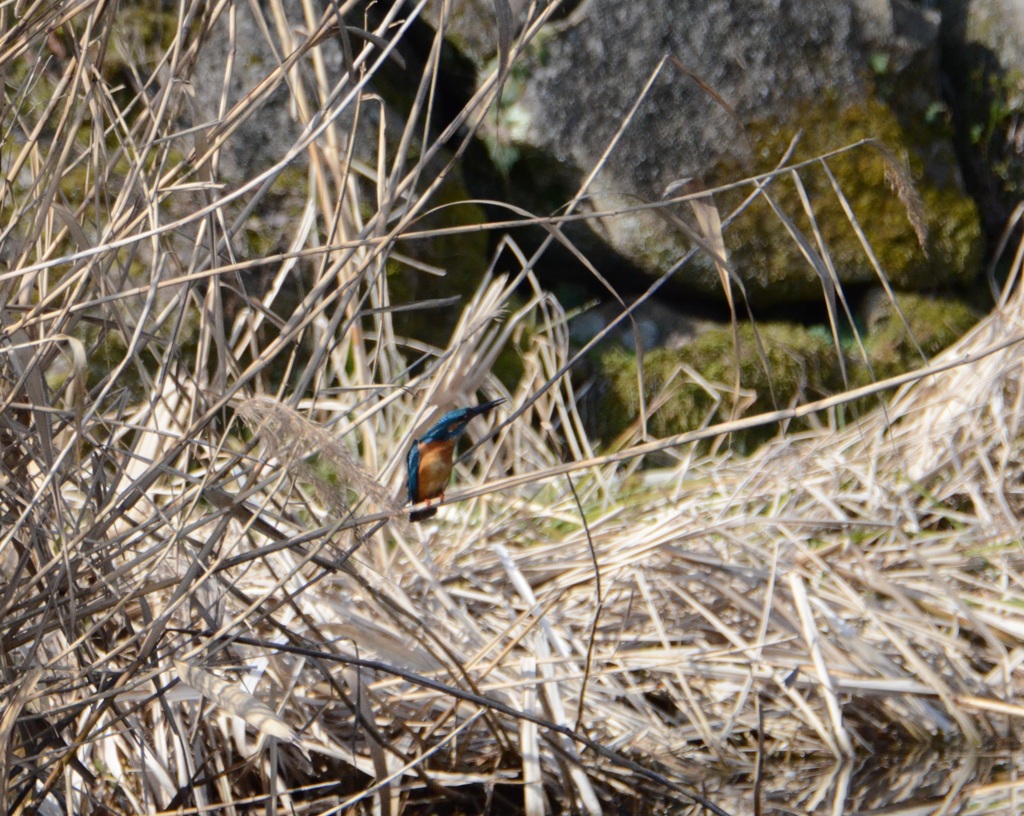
485	407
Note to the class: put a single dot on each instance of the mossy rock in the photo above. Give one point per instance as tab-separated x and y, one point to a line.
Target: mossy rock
802	365
935	323
770	262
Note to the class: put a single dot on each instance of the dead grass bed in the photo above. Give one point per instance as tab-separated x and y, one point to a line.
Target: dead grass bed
211	599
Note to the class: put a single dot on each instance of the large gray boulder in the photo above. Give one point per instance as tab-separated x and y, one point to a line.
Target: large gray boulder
736	82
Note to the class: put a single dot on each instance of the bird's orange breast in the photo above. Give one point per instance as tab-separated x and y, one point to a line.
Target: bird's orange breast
435	469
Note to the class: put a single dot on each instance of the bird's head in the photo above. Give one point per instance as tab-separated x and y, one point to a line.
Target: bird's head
452	424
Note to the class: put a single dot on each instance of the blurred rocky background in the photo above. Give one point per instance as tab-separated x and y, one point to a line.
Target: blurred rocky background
900	122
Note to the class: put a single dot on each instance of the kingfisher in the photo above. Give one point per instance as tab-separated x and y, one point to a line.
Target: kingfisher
430	457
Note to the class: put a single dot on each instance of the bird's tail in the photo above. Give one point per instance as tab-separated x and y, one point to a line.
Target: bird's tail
422	515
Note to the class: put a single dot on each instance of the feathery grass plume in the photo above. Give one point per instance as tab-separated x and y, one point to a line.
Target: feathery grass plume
897	176
466	366
311	453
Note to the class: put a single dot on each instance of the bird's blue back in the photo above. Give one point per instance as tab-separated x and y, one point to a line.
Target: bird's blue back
450	425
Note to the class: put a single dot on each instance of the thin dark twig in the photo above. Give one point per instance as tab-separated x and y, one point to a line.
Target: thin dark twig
592	638
486	702
759	762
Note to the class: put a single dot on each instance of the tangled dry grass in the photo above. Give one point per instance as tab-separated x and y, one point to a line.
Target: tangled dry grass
210	599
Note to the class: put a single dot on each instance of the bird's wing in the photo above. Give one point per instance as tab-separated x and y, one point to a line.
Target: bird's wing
413	463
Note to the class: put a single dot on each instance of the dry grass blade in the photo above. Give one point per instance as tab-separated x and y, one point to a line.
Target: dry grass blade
235	701
12	712
529	746
840	740
505	21
710	224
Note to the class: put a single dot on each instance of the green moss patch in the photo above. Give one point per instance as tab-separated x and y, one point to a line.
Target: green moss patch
935	324
799	364
769	260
